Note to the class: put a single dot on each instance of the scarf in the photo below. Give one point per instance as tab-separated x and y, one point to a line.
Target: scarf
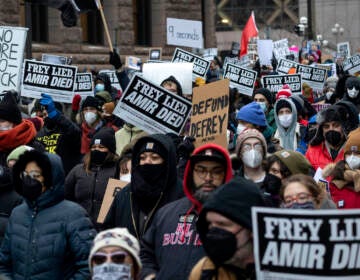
21	134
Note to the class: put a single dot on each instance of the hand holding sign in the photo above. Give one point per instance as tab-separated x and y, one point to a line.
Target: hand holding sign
48	102
114	59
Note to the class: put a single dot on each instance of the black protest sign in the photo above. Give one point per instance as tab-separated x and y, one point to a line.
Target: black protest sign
275	82
315	77
303	244
113	78
84	84
352	64
284	65
241	78
152	108
200	65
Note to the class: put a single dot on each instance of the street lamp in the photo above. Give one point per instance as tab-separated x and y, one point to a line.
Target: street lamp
337	30
321	41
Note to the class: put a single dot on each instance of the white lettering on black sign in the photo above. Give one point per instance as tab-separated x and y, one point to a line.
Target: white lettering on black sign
275	82
284	65
201	65
241	78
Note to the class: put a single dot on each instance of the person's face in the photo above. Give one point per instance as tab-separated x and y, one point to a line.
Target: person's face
251	143
150	158
5	125
89	109
171	86
35	172
208	175
284	111
261	98
275	170
99	147
297	192
336	126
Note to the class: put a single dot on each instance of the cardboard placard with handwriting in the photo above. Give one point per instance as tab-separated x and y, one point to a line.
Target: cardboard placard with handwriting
112	188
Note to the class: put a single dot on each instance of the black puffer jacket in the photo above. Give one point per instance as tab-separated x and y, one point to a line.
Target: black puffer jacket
49	238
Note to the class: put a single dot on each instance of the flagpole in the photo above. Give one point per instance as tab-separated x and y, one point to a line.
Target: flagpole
100	8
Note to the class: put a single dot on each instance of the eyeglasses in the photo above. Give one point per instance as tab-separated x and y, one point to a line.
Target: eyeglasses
248	147
33	174
216	173
300	198
117	257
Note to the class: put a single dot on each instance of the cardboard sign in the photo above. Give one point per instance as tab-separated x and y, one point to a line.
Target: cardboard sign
265	49
281	48
187	33
152	108
84	84
55	79
284	65
113	78
302	244
343	49
112	188
55	59
275	82
315	77
244	61
352	64
210	113
155	53
241	78
12	42
200	65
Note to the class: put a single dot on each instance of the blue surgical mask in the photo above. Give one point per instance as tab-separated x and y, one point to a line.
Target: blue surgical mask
99	87
262	105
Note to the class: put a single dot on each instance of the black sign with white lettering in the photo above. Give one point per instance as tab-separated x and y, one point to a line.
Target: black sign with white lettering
152	108
275	82
241	78
284	65
315	77
352	64
83	84
201	65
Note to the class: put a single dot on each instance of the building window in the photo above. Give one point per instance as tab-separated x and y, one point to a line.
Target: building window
39	23
92	28
142	22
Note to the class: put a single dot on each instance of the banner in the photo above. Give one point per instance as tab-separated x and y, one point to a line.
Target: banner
200	67
281	48
209	116
55	79
241	78
182	32
352	64
152	108
275	82
284	65
244	61
302	244
113	78
315	77
12	42
84	84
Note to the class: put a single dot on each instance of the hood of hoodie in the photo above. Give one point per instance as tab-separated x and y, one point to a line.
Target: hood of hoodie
188	174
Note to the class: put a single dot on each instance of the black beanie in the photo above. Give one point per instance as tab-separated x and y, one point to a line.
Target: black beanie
150	145
265	92
282	103
106	137
9	110
91	101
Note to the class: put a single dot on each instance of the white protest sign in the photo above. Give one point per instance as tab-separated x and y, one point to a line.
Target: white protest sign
209	54
200	65
55	59
281	48
284	65
275	82
157	72
133	62
352	64
265	49
244	61
315	77
12	44
152	108
187	33
306	244
113	78
55	79
241	78
343	49
84	84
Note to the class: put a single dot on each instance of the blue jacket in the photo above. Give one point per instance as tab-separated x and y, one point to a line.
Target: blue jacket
49	238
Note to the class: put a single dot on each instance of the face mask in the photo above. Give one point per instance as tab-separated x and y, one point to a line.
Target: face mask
112	271
252	158
353	92
262	105
90	117
333	137
126	178
151	172
353	161
240	128
99	87
285	120
329	94
5	128
31	188
306	205
97	157
220	245
272	184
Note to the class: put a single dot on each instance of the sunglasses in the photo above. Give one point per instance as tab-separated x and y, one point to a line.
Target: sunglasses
117	257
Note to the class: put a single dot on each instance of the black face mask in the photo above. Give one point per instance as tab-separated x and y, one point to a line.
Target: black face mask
272	184
151	173
31	188
333	137
220	245
97	157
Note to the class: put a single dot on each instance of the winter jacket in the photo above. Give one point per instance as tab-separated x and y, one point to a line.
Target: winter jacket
171	246
49	238
125	135
319	156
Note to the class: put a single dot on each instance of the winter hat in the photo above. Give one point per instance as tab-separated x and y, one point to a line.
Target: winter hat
208	155
119	237
331	82
178	85
282	103
294	161
9	110
16	153
252	113
352	82
150	145
353	142
108	108
103	96
106	137
284	92
90	101
38	122
266	93
250	133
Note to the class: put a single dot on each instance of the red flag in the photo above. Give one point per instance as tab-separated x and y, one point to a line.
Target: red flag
250	30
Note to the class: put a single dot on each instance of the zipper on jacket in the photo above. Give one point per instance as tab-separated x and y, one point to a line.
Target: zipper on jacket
31	244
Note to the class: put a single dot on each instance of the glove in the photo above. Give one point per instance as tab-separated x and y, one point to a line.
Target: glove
48	102
75	105
114	59
186	147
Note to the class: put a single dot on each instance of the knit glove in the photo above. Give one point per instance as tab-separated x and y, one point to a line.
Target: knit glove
75	105
48	102
114	59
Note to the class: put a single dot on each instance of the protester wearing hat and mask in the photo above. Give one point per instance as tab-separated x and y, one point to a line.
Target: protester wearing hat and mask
154	183
115	255
47	237
86	182
173	258
225	229
352	85
265	98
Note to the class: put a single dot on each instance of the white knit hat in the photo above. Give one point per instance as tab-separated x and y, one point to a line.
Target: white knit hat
117	237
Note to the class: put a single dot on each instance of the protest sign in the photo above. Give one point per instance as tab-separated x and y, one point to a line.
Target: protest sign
187	33
244	61
302	244
315	77
343	49
275	82
84	84
284	65
112	188
157	72
241	78
152	108
210	113
12	42
133	62
281	48
200	65
55	59
55	79
352	64
265	49
113	78
155	53
319	107
210	53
